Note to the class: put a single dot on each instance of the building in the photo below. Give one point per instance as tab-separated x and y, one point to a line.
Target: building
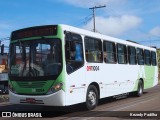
4	73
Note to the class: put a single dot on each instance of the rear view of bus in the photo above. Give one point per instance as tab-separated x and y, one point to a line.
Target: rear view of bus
36	75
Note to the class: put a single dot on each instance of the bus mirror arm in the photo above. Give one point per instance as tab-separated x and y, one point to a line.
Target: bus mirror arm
68	35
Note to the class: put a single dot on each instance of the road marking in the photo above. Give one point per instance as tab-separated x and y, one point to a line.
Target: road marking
127	103
133	104
119	109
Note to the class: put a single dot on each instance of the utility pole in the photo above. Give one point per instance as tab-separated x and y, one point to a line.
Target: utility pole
94	20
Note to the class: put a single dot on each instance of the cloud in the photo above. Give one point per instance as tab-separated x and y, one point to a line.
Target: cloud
118	7
114	25
155	31
113	7
90	3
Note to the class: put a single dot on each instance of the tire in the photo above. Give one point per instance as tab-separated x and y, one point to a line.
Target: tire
139	91
91	98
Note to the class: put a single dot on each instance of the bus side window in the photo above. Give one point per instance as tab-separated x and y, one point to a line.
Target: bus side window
109	52
121	54
132	55
93	48
147	57
153	58
140	56
73	52
78	52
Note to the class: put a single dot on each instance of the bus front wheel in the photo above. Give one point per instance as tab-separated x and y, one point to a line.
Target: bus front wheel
91	97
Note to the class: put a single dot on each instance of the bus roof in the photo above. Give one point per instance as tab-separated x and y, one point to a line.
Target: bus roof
101	36
95	35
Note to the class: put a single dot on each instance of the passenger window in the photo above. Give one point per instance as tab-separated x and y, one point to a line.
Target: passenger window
121	54
93	50
153	58
132	55
74	52
147	57
140	56
109	52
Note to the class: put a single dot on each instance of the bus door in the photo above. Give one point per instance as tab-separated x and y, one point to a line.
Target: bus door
75	78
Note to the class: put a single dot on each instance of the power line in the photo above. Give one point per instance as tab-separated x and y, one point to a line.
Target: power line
4	39
93	9
85	20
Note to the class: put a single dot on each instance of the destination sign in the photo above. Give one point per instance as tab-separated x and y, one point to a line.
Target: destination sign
38	31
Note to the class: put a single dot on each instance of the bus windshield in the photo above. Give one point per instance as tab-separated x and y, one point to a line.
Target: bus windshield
35	58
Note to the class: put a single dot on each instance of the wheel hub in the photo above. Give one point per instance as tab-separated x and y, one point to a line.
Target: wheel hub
92	98
140	90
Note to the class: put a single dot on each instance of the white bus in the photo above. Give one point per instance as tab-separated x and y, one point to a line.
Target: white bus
61	65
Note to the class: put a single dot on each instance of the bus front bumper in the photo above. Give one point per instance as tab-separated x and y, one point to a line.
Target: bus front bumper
55	99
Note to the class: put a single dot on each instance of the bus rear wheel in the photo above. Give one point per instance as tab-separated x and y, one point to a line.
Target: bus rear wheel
91	97
139	91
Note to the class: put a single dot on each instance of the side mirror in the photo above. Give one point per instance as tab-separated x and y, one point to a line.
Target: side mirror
2	49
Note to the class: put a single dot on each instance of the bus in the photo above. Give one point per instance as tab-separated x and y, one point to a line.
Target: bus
61	65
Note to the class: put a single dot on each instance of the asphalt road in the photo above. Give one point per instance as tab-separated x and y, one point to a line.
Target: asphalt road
144	107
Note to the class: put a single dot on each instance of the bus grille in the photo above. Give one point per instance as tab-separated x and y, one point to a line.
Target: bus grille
35	84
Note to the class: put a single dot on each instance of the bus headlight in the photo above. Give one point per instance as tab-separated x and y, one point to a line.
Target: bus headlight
55	88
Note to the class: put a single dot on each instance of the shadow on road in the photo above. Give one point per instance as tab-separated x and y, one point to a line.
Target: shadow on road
50	111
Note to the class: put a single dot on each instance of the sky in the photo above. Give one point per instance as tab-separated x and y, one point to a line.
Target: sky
136	20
